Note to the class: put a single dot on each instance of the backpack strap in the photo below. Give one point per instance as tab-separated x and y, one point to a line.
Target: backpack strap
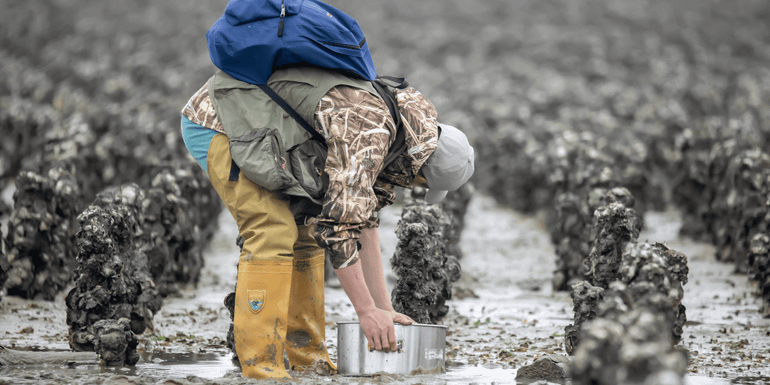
385	86
392	81
294	114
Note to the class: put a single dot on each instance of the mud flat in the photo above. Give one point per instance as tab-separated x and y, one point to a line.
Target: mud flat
507	316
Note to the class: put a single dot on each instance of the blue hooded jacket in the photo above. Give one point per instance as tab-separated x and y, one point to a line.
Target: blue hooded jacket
255	37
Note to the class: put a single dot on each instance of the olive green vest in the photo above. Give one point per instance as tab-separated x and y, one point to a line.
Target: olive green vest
268	145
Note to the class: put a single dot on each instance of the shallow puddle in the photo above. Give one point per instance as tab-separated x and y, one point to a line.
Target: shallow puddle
167	365
170	365
216	365
466	374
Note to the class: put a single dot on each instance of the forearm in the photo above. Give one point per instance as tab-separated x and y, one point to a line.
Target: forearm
364	283
371	264
353	282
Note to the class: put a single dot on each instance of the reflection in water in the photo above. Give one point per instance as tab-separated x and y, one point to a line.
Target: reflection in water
159	365
218	364
205	365
466	374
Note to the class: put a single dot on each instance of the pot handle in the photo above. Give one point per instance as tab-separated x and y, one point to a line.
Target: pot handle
399	345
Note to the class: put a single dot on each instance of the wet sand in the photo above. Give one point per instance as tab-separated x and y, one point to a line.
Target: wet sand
503	315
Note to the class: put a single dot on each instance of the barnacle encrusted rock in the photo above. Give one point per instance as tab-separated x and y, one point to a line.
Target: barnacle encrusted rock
551	367
453	209
4	265
135	247
425	272
571	234
585	303
632	292
40	255
171	238
652	277
589	230
614	227
759	259
419	265
627	349
230	306
617	334
115	343
113	279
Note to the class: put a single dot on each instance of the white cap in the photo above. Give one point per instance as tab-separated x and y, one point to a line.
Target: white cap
450	165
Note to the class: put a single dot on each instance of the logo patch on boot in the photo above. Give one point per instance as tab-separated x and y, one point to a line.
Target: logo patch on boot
256	300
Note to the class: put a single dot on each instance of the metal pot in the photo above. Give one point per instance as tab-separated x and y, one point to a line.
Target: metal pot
420	350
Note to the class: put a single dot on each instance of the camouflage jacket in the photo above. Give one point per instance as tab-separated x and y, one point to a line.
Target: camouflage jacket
359	130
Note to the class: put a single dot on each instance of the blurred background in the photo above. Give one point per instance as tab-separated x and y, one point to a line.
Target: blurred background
647	67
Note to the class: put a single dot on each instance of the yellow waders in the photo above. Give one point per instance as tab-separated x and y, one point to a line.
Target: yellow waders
279	297
307	317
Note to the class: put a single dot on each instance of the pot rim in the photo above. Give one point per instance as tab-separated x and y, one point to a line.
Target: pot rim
397	324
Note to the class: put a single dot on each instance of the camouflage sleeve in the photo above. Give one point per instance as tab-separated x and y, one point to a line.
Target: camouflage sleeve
386	194
419	116
200	110
358	130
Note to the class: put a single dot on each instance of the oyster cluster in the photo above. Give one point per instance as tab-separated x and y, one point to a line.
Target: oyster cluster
171	238
424	269
40	254
619	339
135	247
579	221
113	277
453	209
630	292
614	227
616	336
628	349
759	259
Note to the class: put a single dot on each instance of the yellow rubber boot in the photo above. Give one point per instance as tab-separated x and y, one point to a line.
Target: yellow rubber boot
261	310
306	336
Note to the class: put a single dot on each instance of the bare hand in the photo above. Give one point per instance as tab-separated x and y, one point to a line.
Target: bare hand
378	328
402	318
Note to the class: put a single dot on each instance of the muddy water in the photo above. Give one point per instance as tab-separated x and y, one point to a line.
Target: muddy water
217	368
503	316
